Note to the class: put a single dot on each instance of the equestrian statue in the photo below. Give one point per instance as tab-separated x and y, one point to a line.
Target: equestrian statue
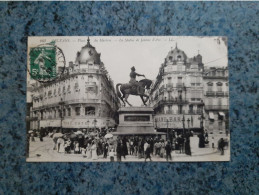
134	87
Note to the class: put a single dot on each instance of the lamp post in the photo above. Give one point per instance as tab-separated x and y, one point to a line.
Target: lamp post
87	122
94	122
107	123
183	120
188	121
167	129
156	124
61	103
202	117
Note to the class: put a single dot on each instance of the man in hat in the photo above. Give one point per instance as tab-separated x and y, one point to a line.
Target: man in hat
133	80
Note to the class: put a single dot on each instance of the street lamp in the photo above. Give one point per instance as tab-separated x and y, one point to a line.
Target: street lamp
61	103
107	123
202	117
156	124
94	122
183	120
167	129
188	121
87	122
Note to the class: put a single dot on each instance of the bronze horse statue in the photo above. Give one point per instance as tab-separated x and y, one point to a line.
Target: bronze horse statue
128	89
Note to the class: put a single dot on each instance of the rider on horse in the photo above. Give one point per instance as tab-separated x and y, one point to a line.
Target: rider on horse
133	80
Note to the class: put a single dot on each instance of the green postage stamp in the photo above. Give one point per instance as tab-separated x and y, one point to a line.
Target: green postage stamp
43	62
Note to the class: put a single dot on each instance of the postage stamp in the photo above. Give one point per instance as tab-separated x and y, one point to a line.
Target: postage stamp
44	60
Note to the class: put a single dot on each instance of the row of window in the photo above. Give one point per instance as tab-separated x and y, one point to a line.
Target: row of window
90	111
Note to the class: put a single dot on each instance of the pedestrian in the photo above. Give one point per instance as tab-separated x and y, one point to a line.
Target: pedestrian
221	145
124	147
212	142
181	143
33	136
206	135
168	149
105	149
187	146
60	143
162	150
94	151
145	148
128	146
77	148
41	134
201	141
147	152
151	142
119	151
131	147
67	146
111	155
88	151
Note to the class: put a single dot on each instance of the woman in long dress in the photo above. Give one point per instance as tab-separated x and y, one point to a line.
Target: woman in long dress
61	143
88	151
94	151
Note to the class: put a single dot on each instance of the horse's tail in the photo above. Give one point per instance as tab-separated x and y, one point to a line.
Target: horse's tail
118	90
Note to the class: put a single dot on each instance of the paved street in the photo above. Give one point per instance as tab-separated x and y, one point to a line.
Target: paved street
43	151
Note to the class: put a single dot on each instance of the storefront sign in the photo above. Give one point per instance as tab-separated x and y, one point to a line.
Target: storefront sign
86	123
50	123
176	121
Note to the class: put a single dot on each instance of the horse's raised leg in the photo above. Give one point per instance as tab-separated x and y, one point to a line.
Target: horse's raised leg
142	98
126	99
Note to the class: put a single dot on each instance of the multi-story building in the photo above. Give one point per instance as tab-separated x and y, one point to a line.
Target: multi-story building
83	97
177	95
216	98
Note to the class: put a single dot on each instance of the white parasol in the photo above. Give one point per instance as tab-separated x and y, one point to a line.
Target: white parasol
79	132
56	135
108	135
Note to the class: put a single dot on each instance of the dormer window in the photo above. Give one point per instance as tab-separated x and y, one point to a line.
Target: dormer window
179	58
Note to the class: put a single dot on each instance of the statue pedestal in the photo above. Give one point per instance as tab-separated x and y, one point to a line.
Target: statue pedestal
136	121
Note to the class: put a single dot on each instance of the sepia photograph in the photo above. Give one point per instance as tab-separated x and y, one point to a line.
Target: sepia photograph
127	99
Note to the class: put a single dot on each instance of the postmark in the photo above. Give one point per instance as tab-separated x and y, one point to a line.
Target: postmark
46	62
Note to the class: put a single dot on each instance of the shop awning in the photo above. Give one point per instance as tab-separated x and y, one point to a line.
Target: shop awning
136	130
222	114
211	115
138	133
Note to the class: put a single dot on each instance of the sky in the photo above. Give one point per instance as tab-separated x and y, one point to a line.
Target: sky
146	53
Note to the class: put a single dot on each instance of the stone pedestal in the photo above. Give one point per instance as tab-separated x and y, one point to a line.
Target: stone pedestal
136	121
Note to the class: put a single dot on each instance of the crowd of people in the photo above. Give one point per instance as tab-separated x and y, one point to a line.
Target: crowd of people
96	145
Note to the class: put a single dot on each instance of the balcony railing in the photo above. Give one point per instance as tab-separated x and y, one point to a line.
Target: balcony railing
169	85
216	107
210	93
171	101
175	100
191	112
179	84
90	83
169	112
220	93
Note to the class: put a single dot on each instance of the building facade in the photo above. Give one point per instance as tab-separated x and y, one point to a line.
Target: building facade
177	95
83	97
216	98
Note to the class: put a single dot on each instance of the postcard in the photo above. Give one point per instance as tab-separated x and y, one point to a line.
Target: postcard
127	99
